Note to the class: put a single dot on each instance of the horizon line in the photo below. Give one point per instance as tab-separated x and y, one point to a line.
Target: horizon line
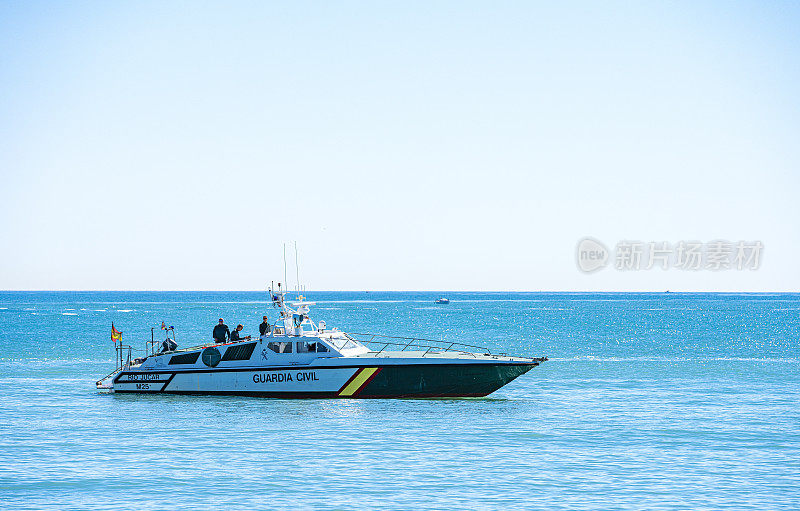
371	291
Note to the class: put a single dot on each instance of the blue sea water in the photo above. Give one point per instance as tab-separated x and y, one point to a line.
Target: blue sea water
648	401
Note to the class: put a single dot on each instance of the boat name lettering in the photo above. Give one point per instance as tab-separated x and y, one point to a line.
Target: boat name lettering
143	377
283	377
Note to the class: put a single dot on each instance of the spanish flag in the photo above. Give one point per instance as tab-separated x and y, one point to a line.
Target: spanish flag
116	335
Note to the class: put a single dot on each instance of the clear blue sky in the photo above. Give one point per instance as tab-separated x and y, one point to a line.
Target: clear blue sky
404	145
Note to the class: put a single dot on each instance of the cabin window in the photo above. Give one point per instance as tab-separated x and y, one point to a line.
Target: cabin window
239	352
348	344
280	347
311	347
186	358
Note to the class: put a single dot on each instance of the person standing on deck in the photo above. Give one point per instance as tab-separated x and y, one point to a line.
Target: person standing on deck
236	336
221	332
263	328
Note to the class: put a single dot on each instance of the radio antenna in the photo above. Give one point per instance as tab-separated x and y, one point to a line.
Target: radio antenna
284	266
296	267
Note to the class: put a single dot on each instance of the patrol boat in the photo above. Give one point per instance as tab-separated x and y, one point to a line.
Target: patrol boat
298	358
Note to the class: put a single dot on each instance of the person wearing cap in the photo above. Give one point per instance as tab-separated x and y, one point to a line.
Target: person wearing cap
235	337
221	332
263	328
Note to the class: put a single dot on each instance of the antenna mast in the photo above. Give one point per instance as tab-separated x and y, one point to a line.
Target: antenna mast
284	266
296	267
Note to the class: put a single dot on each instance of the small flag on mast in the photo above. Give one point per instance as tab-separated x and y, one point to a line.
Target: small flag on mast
116	335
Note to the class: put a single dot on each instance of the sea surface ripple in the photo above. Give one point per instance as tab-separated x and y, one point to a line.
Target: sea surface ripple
648	401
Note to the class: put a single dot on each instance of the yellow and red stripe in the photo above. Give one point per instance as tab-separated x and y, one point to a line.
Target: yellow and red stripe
358	381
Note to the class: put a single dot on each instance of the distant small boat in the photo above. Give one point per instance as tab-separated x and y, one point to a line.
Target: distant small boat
442	300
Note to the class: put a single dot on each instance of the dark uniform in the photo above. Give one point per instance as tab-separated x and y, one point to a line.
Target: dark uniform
263	328
221	332
235	337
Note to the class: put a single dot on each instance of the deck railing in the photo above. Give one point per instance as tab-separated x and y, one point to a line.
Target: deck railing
122	359
429	345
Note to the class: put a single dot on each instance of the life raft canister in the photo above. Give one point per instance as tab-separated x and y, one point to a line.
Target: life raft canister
211	357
